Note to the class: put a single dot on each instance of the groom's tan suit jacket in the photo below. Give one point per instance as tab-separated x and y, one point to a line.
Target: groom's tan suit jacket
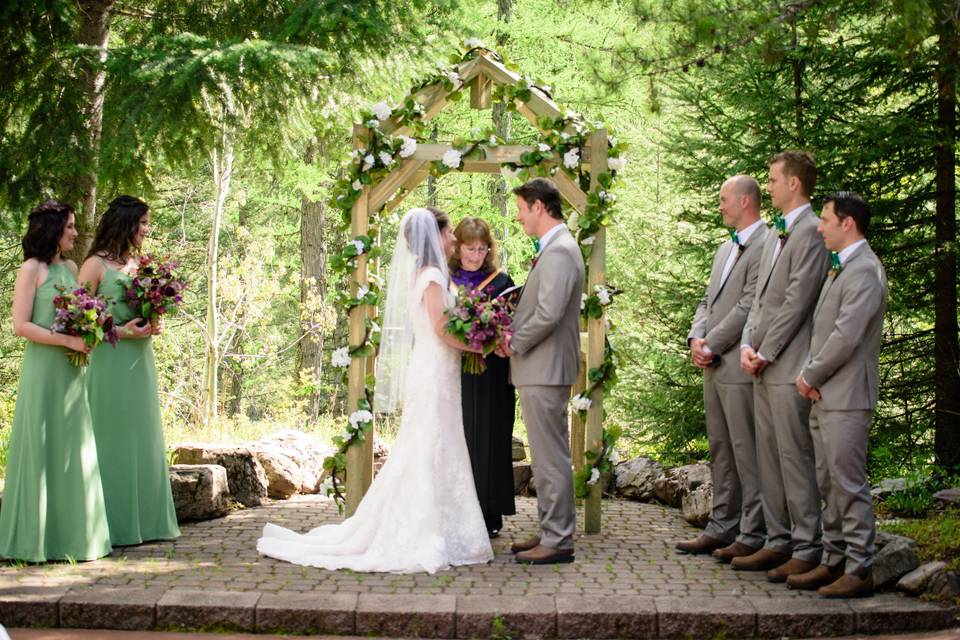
547	319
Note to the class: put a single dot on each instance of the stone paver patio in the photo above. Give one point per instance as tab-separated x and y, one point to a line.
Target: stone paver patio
626	582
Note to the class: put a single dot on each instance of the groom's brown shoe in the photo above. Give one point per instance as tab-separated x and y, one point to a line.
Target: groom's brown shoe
849	585
525	545
793	566
701	544
735	550
819	577
545	555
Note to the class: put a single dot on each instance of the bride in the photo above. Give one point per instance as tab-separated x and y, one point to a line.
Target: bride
421	513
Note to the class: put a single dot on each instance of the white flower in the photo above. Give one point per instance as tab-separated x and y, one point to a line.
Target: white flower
594	476
583	301
508	173
564	135
603	295
368	161
543	147
452	158
374	327
386	158
453	77
409	147
347	435
588	241
361	292
357	185
492	140
373	124
470	43
340	359
358	244
571	159
381	110
579	403
359	417
612	140
616	164
613	456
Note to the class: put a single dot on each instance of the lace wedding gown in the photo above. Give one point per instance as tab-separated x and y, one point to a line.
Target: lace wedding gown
421	513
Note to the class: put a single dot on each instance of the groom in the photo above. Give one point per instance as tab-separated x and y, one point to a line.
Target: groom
545	361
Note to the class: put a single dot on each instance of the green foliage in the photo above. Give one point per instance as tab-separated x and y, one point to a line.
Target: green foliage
937	536
916	499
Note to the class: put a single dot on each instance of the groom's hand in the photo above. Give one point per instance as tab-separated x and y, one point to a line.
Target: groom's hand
503	349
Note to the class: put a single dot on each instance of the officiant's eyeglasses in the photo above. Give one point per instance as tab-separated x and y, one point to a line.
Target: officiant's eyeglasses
477	250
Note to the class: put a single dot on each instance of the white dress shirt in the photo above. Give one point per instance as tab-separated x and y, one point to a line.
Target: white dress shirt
845	254
790	218
742	237
548	236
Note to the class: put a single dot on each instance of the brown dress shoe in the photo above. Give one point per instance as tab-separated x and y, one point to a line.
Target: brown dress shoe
762	560
701	544
545	555
735	550
793	566
525	545
811	580
849	585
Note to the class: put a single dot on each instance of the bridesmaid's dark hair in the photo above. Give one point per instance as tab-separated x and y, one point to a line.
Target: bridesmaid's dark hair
120	222
44	229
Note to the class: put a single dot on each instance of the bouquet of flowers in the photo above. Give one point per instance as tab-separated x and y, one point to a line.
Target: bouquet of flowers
83	315
156	289
479	321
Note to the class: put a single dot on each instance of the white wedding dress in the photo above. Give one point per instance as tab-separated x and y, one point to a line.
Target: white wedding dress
421	513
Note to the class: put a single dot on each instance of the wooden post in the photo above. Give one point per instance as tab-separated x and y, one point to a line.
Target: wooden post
371	371
357	458
480	92
596	329
577	424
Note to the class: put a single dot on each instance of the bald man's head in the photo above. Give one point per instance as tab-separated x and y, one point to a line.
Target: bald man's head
740	201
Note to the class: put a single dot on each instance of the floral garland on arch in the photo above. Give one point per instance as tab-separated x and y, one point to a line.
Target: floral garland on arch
559	147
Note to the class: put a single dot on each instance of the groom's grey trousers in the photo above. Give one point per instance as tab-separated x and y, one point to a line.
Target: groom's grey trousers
545	414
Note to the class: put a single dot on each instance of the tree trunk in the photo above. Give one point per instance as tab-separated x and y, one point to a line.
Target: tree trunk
313	294
233	372
947	430
222	167
93	31
796	63
501	122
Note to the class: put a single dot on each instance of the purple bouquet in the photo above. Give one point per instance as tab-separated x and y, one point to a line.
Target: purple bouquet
85	316
480	322
155	290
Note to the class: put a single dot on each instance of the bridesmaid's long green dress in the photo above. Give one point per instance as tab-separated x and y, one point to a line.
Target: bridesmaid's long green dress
52	500
122	386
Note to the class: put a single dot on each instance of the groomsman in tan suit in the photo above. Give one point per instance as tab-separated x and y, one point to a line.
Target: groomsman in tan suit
841	378
776	341
736	519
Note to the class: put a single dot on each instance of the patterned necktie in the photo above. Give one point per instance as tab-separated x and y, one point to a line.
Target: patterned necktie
736	240
835	264
780	224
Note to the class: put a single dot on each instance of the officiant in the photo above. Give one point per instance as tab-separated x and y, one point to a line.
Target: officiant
489	401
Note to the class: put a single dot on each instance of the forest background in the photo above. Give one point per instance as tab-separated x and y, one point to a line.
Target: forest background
233	120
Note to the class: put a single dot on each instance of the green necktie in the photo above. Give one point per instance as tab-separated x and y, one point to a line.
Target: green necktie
835	264
536	245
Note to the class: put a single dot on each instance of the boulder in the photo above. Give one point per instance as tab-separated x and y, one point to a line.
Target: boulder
635	477
949	497
284	475
380	448
896	556
245	474
914	581
200	491
306	451
522	474
678	482
945	585
519	450
696	505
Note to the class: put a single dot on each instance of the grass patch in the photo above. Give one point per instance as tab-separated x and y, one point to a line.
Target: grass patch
937	536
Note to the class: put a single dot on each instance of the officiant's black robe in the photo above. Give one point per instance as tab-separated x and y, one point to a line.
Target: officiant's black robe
489	410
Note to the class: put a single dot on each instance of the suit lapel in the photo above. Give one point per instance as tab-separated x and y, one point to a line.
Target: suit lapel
715	284
765	262
830	281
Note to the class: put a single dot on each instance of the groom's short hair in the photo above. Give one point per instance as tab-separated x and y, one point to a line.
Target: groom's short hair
543	190
800	165
848	204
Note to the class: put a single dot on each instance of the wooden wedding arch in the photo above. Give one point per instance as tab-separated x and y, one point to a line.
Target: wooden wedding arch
485	75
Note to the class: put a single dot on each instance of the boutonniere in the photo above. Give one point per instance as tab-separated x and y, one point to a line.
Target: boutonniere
736	240
780	224
835	265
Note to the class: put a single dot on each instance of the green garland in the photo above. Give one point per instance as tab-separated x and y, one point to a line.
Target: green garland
559	147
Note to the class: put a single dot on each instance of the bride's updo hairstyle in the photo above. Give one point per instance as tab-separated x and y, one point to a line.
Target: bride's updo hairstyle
421	245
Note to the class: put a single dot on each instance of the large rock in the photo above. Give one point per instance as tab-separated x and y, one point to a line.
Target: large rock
696	505
200	491
245	474
949	497
678	482
914	581
945	585
522	474
896	556
635	477
300	450
519	450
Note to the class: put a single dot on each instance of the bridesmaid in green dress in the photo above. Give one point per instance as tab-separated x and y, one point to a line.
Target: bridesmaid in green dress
52	501
122	387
